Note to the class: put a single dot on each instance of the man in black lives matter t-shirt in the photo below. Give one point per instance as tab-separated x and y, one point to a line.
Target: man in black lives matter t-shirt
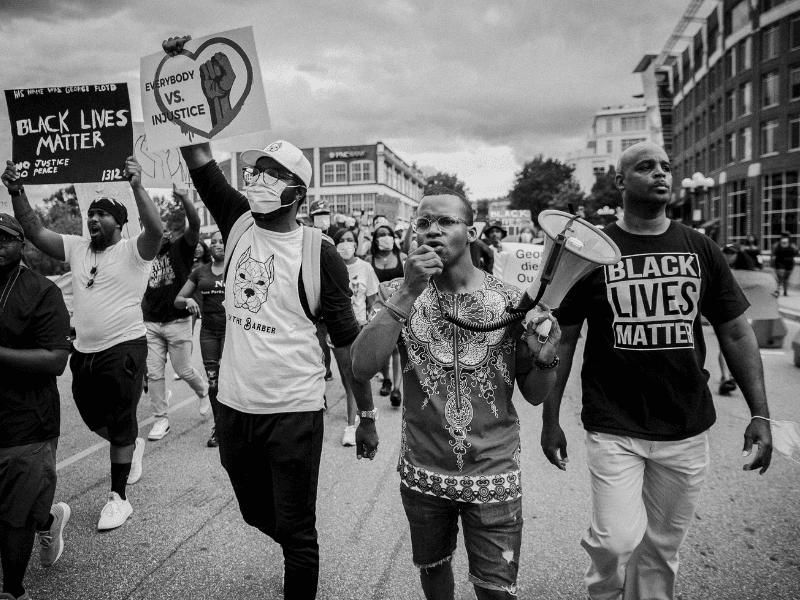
646	403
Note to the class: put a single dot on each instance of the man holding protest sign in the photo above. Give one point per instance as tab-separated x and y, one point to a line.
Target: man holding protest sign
109	276
271	382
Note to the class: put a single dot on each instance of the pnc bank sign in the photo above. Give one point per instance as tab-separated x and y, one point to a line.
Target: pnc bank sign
347	154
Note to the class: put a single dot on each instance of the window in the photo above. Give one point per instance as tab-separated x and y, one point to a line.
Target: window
730	147
712	117
794	83
746	54
361	171
713	31
769	89
633	123
731	62
794	33
609	146
730	105
739	16
334	172
737	211
745	99
630	142
768	129
794	132
779	206
770	43
609	125
746	143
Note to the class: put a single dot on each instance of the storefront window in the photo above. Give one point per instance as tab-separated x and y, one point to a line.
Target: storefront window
737	211
780	206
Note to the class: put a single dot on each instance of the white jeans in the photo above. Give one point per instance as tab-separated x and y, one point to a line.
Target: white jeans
643	500
174	337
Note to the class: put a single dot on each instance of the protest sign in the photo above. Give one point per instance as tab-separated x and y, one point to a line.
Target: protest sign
518	264
118	190
75	134
211	90
160	168
387	206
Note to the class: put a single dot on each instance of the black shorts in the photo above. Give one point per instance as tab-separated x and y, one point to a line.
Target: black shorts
107	385
27	482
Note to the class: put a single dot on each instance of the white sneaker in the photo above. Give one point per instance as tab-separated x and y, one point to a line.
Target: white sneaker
203	403
114	513
349	437
176	377
136	463
51	542
159	430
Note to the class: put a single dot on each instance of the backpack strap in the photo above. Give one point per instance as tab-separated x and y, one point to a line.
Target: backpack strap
241	225
312	246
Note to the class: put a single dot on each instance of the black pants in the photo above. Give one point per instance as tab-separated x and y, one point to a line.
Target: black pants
212	341
273	465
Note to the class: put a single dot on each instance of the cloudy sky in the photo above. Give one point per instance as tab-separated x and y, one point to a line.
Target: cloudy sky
475	87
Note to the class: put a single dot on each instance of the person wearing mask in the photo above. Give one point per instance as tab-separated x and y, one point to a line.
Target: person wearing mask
387	261
783	255
527	235
494	235
207	283
364	285
34	349
320	216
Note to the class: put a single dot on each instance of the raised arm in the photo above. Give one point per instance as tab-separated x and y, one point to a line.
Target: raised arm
554	442
192	233
149	240
739	346
46	240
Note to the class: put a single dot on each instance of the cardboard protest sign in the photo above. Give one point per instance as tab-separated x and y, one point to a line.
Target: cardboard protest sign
212	90
518	264
118	190
160	168
387	206
760	289
76	134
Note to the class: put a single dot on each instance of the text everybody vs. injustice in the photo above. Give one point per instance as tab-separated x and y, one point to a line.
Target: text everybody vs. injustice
174	97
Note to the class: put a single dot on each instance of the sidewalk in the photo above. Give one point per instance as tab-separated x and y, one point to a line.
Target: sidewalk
789	306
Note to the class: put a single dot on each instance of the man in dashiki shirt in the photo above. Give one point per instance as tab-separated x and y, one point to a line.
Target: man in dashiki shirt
460	449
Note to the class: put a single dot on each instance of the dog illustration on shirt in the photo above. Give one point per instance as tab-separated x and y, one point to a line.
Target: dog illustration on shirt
251	282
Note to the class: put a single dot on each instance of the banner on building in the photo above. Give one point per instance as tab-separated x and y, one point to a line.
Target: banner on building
518	264
118	190
211	90
78	134
160	168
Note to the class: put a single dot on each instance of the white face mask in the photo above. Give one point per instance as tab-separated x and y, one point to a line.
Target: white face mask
526	237
322	221
264	193
346	250
385	242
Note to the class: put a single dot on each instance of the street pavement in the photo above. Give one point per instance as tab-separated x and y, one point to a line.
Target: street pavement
186	538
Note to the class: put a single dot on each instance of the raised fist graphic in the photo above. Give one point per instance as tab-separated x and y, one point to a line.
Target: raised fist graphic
217	77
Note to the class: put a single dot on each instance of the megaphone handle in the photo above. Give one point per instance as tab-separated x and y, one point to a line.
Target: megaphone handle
543	330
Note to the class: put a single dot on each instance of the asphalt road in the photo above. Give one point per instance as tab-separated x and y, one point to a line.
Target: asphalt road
186	538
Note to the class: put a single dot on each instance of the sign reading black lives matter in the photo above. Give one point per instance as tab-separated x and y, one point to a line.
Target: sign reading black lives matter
211	90
79	134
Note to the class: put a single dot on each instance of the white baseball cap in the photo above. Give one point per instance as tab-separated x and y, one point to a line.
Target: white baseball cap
287	154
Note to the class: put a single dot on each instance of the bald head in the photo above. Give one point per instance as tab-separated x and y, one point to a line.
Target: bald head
630	156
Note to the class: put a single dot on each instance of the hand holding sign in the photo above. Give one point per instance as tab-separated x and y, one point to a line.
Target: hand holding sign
10	177
133	171
217	77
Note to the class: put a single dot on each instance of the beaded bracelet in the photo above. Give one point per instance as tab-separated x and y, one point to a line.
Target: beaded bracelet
544	367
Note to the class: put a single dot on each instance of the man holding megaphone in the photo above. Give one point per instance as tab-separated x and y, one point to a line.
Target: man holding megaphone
646	403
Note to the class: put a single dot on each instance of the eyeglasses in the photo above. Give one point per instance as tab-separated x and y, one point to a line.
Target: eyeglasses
444	223
249	174
92	275
7	242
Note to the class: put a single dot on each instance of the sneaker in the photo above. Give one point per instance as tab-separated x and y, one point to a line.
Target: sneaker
386	388
159	430
204	404
7	596
396	398
213	442
51	542
136	464
328	375
726	387
114	513
176	377
349	437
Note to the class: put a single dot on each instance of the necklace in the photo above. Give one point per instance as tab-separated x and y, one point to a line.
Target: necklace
9	287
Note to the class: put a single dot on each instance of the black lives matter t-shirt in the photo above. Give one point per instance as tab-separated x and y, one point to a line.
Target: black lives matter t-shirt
643	367
171	269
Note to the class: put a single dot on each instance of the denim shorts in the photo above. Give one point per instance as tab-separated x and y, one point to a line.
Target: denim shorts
492	536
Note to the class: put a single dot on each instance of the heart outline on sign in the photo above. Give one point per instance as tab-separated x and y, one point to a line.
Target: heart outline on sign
234	109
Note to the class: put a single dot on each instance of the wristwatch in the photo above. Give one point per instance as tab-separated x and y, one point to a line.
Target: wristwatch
369	414
15	193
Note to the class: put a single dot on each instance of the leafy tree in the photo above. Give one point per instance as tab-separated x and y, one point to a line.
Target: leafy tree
171	212
604	191
542	184
449	181
60	213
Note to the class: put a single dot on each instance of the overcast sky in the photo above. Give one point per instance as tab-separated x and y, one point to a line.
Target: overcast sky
472	87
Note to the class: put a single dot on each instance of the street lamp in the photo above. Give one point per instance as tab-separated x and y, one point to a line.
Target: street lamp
694	187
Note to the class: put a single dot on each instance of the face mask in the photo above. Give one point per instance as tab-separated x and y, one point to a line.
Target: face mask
346	250
526	237
322	221
385	242
264	194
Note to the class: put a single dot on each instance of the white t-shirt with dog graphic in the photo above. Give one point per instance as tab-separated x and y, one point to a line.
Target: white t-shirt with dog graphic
268	333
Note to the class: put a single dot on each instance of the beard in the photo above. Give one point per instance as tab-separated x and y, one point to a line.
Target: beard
99	242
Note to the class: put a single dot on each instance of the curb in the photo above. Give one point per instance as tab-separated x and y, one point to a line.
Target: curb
790	314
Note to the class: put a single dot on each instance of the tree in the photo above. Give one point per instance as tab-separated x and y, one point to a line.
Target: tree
171	212
451	182
62	214
542	184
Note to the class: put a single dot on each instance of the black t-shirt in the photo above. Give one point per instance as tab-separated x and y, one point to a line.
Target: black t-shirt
211	289
34	316
784	256
643	365
226	205
170	271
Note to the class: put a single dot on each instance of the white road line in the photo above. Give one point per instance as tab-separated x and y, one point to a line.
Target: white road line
100	445
777	352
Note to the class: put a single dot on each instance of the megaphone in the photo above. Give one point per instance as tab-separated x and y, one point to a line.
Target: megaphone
573	247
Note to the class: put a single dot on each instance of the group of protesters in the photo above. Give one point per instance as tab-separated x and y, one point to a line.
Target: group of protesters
278	296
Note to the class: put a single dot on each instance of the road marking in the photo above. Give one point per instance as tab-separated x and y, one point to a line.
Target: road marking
777	352
100	445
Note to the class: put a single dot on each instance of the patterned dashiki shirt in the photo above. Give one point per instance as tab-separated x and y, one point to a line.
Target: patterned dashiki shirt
460	431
